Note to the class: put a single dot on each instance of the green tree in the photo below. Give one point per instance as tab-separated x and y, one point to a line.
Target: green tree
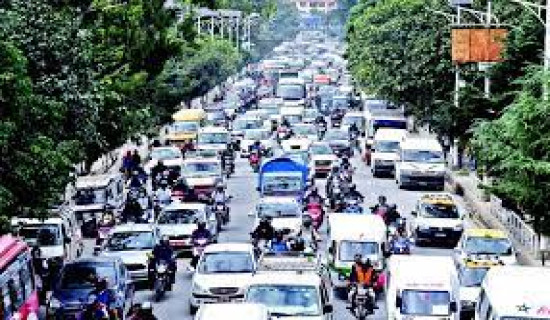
516	152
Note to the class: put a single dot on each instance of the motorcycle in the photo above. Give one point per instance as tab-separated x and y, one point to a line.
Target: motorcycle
222	214
94	308
198	249
364	302
322	129
261	245
105	224
315	211
352	206
254	160
162	280
283	133
400	245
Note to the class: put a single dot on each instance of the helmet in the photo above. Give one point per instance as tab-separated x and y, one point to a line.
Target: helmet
201	225
352	187
102	284
314	189
382	199
357	258
366	262
257	142
165	240
219	185
299	244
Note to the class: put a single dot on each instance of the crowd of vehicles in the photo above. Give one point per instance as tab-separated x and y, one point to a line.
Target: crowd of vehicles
300	124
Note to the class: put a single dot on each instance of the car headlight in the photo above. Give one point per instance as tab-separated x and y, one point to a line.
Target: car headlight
55	303
422	227
198	289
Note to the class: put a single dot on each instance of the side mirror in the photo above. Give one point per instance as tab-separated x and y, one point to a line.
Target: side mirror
251	214
97	250
398	302
328	308
387	254
414	213
453	306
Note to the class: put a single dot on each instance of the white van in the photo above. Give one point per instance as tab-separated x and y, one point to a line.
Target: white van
514	292
421	163
58	237
385	149
233	311
350	234
422	287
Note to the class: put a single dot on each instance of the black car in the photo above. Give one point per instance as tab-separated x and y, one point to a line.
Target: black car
77	281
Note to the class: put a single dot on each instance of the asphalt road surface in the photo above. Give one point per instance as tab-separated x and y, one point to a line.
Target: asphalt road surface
175	305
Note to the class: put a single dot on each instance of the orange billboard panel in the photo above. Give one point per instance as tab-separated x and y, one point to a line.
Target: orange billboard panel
477	45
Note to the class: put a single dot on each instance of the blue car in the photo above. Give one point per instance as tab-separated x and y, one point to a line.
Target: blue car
76	282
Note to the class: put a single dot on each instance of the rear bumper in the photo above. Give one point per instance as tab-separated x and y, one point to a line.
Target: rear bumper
196	300
422	181
446	235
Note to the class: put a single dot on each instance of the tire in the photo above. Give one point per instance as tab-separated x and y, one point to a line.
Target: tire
159	290
192	309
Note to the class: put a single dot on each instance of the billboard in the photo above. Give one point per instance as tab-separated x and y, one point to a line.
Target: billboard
477	45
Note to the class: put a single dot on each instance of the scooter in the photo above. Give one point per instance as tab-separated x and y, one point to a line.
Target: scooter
400	246
104	227
352	206
162	280
198	249
322	130
222	214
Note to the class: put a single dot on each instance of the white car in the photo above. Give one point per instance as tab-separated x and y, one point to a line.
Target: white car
285	213
322	158
306	130
437	219
222	275
213	138
220	311
253	135
178	221
132	243
202	174
171	157
295	144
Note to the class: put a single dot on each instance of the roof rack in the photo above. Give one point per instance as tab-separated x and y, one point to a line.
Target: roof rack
289	261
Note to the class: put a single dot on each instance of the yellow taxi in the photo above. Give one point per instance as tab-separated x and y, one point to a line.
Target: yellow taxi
492	243
471	272
186	125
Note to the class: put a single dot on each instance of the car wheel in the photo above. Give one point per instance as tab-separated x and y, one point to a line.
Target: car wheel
192	309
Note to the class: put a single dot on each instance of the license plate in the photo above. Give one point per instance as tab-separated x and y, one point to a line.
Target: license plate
422	183
440	235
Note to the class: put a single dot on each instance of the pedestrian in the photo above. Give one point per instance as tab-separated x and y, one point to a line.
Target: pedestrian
136	159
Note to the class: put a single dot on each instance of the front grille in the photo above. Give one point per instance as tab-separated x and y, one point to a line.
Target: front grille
446	230
135	266
323	162
179	237
224	291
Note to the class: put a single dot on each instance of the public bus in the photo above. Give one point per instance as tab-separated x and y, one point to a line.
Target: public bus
17	281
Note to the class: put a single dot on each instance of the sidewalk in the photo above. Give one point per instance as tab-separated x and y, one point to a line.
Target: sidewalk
480	210
112	161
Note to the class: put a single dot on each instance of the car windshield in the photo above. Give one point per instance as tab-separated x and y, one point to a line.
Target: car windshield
90	196
216	116
132	240
183	216
280	183
340	102
358	120
320	149
41	235
291	91
311	113
286	300
256	134
226	262
426	156
336	135
386	146
83	275
472	277
185	126
276	210
445	211
201	169
211	137
482	245
305	130
425	303
165	153
348	249
243	124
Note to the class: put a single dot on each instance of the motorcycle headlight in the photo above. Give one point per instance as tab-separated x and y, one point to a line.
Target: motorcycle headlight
161	268
198	289
54	304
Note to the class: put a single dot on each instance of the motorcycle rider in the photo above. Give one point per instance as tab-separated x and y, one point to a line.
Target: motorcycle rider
308	234
313	197
163	252
143	311
218	195
390	213
256	147
400	238
200	233
95	310
163	195
353	131
354	194
362	274
156	173
264	230
278	244
132	210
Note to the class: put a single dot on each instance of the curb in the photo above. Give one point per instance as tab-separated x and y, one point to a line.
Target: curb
480	216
